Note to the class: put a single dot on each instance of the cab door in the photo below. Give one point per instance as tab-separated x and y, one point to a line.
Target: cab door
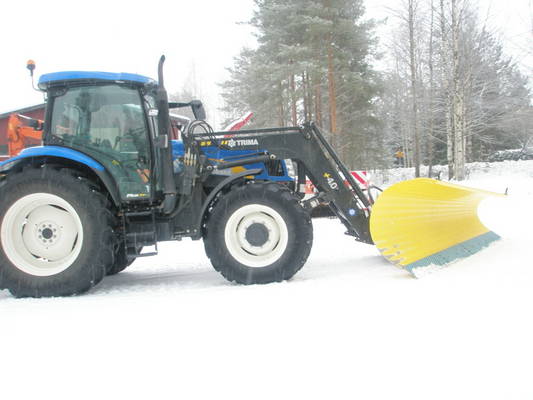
108	123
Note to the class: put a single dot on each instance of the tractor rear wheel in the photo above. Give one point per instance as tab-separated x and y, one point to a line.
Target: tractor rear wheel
56	233
258	233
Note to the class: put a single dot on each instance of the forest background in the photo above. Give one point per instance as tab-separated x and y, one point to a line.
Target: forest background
440	89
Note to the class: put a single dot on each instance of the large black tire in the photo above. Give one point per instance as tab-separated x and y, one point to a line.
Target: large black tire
258	233
56	233
121	260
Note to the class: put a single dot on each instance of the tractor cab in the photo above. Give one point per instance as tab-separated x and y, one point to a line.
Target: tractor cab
110	117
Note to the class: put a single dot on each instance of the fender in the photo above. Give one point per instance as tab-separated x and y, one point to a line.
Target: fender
69	154
55	151
215	191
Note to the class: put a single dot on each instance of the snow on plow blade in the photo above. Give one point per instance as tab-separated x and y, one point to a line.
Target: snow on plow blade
422	224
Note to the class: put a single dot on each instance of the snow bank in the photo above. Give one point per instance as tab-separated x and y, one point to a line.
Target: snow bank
474	171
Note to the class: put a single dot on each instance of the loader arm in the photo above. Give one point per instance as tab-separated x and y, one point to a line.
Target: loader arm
315	158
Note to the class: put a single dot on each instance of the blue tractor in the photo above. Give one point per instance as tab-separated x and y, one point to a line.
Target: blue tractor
109	182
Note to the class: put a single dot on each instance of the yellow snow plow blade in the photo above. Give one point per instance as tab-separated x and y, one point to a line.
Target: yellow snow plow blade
423	223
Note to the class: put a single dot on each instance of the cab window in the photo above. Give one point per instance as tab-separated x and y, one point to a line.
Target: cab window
108	123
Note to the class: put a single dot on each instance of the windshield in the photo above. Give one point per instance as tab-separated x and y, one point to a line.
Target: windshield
108	123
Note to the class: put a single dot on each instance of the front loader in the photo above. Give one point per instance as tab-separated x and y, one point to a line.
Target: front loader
108	185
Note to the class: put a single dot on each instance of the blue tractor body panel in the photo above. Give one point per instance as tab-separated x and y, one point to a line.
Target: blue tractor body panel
216	154
55	151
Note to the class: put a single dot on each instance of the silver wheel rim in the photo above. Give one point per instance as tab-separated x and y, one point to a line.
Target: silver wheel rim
247	253
42	234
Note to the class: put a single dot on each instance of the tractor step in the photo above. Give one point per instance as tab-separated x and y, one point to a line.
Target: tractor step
141	231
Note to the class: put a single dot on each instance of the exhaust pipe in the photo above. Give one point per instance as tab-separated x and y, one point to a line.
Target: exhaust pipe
163	119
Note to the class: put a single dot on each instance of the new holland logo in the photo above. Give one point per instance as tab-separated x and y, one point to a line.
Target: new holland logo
242	142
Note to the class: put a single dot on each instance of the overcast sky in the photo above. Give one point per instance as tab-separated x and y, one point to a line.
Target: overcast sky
199	37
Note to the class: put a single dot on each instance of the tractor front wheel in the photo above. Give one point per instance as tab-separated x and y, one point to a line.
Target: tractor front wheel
258	233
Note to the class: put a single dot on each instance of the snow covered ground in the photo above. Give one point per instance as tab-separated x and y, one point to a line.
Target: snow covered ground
348	326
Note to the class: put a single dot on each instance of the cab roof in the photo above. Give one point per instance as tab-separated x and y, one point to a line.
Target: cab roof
47	80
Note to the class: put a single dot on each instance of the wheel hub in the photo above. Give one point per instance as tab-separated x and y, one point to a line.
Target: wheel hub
49	233
257	234
41	234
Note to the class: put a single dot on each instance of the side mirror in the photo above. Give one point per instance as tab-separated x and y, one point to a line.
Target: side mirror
198	109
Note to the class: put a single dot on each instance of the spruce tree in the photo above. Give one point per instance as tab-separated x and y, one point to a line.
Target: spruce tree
313	61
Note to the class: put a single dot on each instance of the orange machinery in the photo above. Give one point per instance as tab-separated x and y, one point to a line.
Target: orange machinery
19	129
